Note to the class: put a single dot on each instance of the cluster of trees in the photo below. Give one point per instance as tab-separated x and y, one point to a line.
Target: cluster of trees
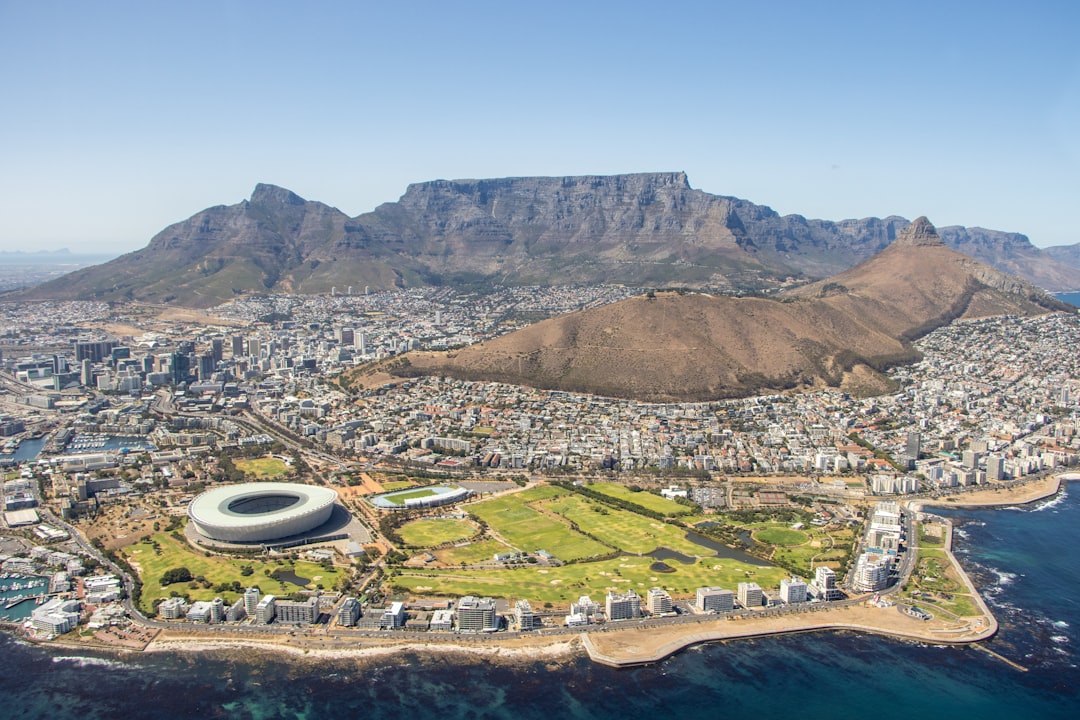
176	575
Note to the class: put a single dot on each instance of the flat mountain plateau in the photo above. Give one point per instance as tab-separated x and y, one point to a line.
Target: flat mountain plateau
644	230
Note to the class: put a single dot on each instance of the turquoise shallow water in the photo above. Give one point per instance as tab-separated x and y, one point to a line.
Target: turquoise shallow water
1020	556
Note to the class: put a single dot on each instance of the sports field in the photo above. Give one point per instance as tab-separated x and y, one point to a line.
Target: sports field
399	498
262	468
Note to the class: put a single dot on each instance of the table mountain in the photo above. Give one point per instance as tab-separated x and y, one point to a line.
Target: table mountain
649	229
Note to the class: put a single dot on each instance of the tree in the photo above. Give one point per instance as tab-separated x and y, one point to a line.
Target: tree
176	575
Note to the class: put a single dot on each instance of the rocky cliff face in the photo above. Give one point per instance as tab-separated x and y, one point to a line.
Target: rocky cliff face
648	229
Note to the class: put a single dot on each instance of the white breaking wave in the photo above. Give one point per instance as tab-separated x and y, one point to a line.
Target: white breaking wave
1060	638
1051	502
1061	624
88	661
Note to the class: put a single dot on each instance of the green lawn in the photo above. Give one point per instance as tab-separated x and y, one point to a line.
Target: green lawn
392	485
262	468
436	531
782	536
514	518
217	569
647	500
560	585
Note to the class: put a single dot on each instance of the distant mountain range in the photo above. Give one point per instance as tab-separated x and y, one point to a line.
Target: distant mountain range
687	346
649	229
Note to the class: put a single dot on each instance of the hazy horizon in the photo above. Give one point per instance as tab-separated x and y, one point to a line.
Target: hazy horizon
124	118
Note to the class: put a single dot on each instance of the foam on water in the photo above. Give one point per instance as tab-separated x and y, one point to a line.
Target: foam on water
88	661
1051	502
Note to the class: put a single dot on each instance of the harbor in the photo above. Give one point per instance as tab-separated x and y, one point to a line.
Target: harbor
20	594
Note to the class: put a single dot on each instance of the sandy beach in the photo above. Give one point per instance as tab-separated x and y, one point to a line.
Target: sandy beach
1019	495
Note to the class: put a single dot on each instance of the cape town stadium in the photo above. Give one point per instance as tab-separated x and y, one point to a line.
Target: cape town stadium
260	511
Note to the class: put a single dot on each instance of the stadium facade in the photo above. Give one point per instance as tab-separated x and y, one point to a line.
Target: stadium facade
261	511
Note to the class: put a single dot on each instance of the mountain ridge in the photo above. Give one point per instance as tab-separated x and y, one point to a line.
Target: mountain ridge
842	332
643	229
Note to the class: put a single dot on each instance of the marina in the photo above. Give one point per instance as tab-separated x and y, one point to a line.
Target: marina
101	442
16	593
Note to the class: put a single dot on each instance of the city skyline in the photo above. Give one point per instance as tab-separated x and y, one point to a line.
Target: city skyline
124	119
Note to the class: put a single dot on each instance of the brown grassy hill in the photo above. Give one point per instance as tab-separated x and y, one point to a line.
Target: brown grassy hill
671	346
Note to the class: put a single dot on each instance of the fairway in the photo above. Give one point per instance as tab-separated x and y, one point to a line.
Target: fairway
623	529
518	519
262	468
647	500
483	551
436	531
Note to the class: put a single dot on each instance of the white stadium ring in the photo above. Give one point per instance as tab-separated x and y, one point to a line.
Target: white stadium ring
260	511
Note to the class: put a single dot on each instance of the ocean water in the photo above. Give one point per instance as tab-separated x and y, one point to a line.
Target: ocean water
1023	557
1073	298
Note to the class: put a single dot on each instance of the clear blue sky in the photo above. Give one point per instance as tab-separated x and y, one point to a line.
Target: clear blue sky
119	118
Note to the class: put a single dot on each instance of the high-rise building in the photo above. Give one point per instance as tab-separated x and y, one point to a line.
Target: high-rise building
394	616
912	446
871	573
622	606
824	585
94	351
265	610
237	345
793	590
995	467
346	337
523	614
304	612
750	595
659	602
476	614
715	599
251	601
217	610
349	612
